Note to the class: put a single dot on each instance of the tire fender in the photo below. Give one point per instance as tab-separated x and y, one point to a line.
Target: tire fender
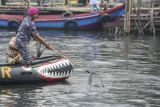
67	14
105	18
13	23
70	24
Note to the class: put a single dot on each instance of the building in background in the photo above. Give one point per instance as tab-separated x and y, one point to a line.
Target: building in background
72	2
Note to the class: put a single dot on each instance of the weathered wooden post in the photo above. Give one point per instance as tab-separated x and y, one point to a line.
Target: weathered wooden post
139	7
139	18
127	23
152	18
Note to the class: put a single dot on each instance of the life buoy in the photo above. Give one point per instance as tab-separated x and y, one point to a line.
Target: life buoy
13	23
67	14
70	24
105	18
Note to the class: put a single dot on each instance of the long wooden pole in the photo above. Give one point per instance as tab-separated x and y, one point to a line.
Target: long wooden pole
127	22
152	18
139	18
139	7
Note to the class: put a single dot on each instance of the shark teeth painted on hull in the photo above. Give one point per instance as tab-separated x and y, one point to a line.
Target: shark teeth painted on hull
60	69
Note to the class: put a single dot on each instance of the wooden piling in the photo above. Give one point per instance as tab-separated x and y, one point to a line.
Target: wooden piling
127	22
139	17
152	18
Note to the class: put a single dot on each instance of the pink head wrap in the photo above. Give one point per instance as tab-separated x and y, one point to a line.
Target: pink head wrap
32	11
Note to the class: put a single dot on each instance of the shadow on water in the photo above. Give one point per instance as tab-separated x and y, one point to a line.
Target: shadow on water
128	65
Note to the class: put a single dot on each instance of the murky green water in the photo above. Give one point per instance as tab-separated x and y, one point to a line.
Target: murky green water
129	68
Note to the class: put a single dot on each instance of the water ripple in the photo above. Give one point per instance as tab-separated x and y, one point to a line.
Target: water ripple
128	66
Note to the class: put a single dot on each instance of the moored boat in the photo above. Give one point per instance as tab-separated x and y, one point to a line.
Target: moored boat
43	70
71	21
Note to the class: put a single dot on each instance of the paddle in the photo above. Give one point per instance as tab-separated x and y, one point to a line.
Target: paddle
73	62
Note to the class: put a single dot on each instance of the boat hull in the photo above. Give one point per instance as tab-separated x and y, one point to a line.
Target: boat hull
46	70
77	21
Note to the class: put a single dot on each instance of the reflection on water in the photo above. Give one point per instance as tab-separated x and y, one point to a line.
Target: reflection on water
129	67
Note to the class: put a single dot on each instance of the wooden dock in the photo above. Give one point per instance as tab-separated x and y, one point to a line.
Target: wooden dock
57	10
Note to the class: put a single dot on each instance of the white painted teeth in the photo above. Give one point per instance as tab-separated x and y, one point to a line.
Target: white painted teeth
56	70
67	62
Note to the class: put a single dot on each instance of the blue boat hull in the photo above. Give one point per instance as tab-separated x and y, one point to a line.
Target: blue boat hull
81	21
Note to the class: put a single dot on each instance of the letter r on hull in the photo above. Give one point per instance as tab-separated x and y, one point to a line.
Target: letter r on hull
6	71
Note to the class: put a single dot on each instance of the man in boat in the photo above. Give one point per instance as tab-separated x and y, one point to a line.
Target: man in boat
26	31
94	5
103	5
